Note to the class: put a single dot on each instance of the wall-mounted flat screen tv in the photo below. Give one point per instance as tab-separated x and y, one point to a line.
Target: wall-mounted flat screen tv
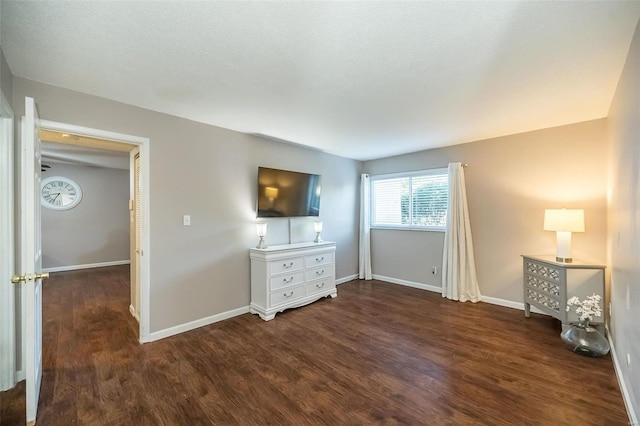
283	193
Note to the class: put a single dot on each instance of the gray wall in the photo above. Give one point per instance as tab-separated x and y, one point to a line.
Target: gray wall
209	173
6	79
510	181
97	229
624	221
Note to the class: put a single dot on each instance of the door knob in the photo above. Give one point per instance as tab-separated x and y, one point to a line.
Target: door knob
15	279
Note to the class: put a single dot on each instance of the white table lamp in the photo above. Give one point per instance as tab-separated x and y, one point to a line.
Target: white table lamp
564	222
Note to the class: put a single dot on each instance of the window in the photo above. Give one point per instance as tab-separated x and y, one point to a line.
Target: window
415	200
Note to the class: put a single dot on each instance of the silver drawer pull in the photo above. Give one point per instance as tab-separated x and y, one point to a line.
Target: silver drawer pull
320	260
285	266
289	295
320	285
287	281
320	272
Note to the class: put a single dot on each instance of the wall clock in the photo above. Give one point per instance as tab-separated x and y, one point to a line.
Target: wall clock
60	193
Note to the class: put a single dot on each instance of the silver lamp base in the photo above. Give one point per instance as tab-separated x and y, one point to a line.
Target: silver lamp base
261	244
318	239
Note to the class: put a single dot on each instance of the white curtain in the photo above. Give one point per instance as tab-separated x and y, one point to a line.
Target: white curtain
365	229
459	280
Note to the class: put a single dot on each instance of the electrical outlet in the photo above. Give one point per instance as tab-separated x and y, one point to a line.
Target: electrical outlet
434	270
186	220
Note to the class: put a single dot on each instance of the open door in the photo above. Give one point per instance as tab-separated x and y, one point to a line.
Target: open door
30	264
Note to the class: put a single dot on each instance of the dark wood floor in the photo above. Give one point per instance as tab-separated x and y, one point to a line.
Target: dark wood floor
378	354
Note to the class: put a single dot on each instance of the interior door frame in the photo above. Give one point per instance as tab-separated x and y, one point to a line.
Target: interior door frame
8	376
145	258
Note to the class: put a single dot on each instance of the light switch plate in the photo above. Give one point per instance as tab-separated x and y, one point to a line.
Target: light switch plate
186	220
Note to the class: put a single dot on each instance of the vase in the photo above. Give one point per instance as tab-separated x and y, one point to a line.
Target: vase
585	340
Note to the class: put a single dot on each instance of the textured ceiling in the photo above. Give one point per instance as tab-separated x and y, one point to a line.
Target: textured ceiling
359	79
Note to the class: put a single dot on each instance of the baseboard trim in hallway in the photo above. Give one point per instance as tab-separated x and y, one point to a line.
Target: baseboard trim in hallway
86	266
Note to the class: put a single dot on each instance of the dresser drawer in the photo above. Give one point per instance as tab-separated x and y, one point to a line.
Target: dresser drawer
286	265
286	295
546	272
319	272
320	285
319	259
543	286
544	302
286	280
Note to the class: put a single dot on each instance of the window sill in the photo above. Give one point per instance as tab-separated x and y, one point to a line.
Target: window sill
407	228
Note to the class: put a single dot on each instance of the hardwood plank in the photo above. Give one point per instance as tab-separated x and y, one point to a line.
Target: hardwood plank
378	354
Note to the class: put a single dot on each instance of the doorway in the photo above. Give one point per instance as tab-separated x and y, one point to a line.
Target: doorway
90	221
138	149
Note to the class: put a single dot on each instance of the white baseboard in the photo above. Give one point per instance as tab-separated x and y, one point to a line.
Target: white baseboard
437	289
172	331
408	283
631	411
86	266
346	279
509	304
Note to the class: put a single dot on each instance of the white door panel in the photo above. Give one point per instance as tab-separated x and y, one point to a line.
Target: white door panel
31	256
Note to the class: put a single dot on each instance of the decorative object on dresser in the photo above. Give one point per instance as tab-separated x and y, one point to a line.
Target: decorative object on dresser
564	222
581	338
291	275
261	231
549	284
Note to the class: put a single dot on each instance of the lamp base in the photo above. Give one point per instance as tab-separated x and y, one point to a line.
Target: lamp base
318	239
563	247
261	244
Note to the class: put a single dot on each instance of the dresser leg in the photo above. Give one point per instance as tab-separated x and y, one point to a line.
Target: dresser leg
267	317
527	310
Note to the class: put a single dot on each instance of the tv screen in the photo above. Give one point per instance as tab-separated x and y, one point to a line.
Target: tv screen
283	193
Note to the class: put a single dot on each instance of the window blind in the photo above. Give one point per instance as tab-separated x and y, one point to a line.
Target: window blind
417	200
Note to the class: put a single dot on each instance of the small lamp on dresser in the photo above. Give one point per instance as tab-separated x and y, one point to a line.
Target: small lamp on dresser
564	222
261	231
317	228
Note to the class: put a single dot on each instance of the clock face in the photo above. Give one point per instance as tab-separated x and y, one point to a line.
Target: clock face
60	193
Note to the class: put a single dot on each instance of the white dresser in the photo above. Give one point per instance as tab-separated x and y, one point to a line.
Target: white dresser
291	275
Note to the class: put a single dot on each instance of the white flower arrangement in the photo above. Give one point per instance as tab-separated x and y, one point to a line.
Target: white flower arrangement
588	309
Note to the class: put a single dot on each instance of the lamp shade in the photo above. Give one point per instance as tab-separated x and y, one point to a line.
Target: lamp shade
261	229
317	226
564	220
